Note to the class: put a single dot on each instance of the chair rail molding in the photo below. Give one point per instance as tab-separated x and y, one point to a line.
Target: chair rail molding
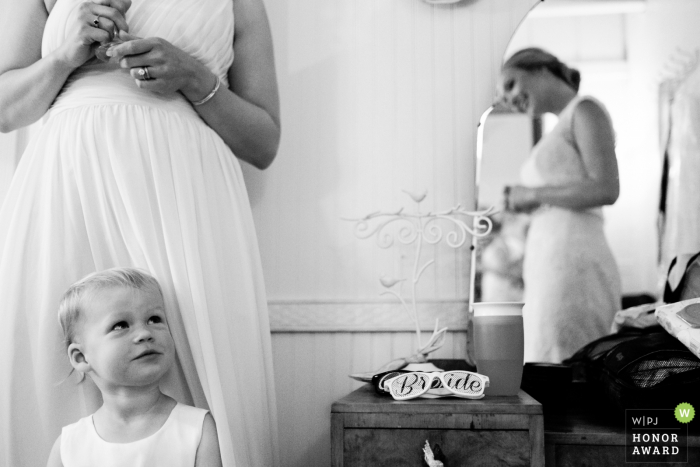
363	316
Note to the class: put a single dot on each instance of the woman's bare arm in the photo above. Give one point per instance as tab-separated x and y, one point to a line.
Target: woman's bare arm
30	83
247	116
27	86
595	140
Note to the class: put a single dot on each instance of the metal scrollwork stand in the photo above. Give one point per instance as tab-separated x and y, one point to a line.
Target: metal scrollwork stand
419	228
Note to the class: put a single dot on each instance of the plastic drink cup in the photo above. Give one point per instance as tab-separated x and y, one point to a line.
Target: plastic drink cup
498	345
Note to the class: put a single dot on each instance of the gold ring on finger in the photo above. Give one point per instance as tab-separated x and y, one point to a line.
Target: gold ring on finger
96	22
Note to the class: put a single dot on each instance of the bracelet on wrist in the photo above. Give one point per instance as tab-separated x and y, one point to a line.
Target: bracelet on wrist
206	98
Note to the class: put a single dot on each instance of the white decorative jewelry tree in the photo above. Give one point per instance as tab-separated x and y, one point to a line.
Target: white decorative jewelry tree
419	228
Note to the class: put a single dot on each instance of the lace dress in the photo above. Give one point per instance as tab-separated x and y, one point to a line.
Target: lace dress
572	284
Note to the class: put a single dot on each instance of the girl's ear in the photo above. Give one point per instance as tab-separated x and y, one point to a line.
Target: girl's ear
77	358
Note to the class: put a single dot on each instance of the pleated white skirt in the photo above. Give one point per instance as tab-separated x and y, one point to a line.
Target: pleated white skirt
133	181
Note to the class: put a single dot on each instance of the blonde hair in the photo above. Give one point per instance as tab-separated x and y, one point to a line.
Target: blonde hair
75	300
534	58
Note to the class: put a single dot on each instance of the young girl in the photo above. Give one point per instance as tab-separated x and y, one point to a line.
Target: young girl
116	332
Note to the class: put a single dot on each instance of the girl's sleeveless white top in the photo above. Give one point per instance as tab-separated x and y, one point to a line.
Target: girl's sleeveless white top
173	445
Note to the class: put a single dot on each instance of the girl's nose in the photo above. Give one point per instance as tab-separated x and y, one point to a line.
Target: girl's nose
143	334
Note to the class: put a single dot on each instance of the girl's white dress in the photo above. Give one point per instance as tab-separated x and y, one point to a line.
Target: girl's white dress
572	284
117	176
173	445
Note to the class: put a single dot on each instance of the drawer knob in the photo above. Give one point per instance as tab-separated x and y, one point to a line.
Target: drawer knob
433	459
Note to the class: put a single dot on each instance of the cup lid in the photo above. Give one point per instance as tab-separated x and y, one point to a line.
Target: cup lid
498	309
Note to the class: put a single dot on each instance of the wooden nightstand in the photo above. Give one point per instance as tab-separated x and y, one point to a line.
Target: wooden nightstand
368	429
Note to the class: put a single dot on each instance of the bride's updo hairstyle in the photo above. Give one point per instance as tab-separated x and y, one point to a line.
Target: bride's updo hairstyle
534	58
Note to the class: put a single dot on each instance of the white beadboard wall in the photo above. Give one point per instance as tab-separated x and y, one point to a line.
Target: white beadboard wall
377	96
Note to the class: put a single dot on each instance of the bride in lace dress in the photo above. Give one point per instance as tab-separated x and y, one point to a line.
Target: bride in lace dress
572	283
136	163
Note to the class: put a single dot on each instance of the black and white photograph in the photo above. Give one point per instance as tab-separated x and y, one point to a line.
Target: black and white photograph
349	233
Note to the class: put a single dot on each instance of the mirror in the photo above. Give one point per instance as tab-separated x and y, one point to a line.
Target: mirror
605	42
506	139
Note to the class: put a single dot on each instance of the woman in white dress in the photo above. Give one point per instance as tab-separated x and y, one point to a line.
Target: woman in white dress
572	284
135	163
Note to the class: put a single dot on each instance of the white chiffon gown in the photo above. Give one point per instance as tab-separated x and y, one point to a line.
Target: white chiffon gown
117	176
572	283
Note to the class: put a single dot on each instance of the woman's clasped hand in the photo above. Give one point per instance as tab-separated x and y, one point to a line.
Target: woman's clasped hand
91	24
158	66
154	63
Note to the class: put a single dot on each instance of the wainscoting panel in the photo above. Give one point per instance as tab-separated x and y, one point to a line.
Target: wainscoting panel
311	372
365	316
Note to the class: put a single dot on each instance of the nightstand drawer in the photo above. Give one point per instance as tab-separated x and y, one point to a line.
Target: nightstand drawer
382	447
372	430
